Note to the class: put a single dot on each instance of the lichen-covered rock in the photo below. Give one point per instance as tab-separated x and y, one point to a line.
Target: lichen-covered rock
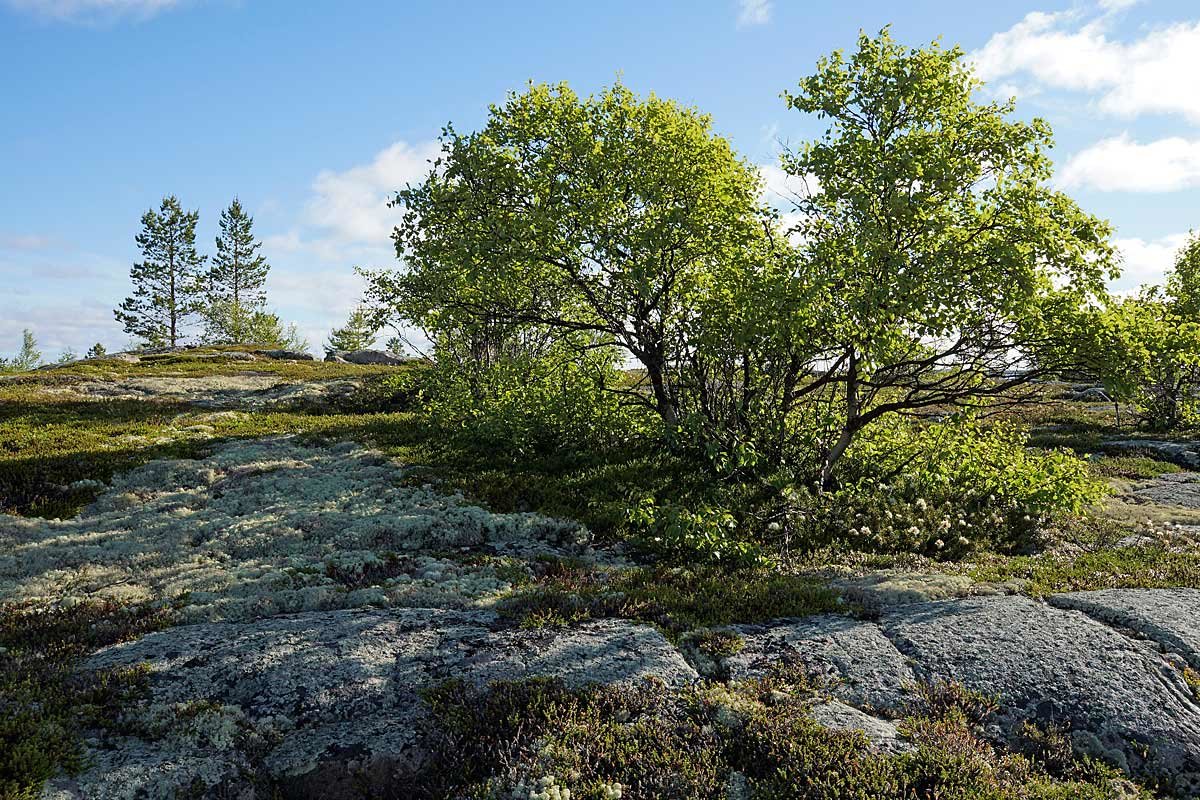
1182	453
894	587
270	526
1173	489
1120	699
860	663
385	357
1168	617
328	704
217	391
883	735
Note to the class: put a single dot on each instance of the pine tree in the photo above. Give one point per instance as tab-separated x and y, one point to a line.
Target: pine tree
28	358
357	334
239	271
167	285
97	351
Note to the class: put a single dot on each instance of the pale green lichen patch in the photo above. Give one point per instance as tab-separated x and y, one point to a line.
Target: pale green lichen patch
268	526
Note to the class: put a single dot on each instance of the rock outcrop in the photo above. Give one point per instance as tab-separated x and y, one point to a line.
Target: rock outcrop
385	357
329	704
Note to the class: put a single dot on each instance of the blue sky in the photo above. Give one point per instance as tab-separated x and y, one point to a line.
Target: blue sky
314	112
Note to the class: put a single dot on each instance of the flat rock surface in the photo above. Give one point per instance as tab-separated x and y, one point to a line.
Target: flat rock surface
325	701
1174	489
1183	453
1168	617
249	391
269	526
854	657
1118	696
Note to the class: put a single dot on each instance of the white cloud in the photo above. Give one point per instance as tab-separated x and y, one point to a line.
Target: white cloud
1147	261
90	10
753	12
1122	164
1073	50
352	205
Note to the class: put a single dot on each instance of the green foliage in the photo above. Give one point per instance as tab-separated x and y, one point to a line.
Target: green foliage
232	322
580	221
530	402
96	351
677	599
1149	354
754	740
239	272
939	253
168	287
1138	566
45	700
1125	465
26	358
945	489
357	334
706	533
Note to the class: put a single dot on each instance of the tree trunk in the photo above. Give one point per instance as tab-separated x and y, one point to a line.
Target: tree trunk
656	371
848	430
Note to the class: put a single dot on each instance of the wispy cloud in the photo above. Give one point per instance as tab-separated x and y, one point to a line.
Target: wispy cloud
92	10
753	12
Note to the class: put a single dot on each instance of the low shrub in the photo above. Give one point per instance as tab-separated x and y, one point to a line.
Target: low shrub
46	700
540	739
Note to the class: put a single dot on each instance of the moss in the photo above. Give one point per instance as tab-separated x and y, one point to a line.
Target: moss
677	599
1132	466
1141	566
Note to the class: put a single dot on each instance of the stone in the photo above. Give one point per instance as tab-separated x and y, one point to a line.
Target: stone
247	391
1168	617
893	587
883	735
285	355
1183	453
368	357
1181	489
862	666
1120	699
267	526
1092	394
328	704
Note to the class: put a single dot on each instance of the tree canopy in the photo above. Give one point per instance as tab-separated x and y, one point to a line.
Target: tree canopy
932	267
168	286
941	256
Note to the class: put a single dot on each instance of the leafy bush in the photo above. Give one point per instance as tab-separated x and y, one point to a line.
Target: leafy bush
530	403
945	489
707	534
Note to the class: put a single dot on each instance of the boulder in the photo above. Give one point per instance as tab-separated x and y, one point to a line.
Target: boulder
1173	489
367	357
883	735
858	662
1120	700
327	704
285	355
1183	453
1168	617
